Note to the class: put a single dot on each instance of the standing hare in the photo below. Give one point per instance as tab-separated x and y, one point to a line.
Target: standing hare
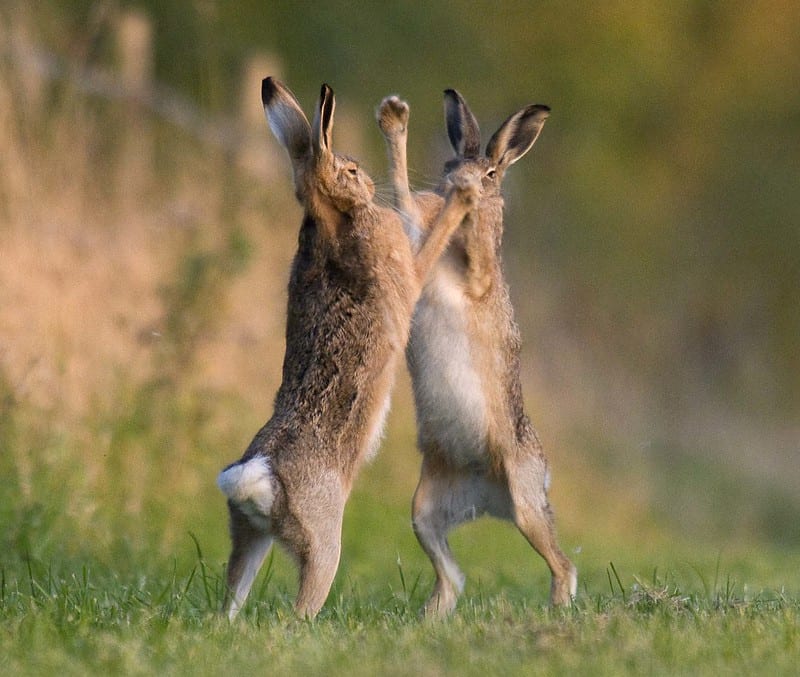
352	290
480	452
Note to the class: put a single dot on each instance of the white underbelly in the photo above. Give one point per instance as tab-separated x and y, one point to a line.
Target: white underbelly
450	399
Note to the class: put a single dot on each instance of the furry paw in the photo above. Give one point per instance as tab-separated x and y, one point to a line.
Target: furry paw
468	190
393	115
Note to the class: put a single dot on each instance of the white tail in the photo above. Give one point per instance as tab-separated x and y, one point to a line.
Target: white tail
249	485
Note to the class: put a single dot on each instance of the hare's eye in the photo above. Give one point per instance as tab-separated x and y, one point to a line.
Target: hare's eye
352	170
491	173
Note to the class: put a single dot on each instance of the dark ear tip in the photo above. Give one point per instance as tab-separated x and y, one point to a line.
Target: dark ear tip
539	108
325	91
267	90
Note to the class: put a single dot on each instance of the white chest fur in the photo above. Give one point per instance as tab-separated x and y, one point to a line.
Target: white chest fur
451	405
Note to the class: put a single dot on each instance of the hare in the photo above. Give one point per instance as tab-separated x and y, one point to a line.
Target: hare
480	452
353	286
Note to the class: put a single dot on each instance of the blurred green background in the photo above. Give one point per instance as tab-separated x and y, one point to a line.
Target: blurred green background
652	247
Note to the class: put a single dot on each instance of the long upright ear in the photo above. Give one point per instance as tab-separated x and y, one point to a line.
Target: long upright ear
516	135
462	127
322	127
286	119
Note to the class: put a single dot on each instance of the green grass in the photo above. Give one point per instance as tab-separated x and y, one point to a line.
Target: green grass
663	606
113	544
92	620
95	582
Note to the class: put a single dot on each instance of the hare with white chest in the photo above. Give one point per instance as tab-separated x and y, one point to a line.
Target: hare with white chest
480	452
352	290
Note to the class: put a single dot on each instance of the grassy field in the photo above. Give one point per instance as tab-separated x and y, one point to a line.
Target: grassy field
664	608
96	583
113	546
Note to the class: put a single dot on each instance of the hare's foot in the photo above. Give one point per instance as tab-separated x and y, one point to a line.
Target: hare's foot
443	500
315	541
527	480
467	189
393	116
564	585
250	546
442	601
317	571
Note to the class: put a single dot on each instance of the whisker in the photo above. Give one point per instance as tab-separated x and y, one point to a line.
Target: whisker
420	179
384	189
386	202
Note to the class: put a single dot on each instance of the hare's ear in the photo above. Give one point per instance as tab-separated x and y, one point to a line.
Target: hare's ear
462	127
516	135
322	127
286	119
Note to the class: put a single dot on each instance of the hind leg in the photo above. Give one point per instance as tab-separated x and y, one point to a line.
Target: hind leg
317	571
527	483
314	537
250	547
446	497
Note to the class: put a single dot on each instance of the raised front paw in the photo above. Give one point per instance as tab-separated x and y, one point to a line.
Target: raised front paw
393	116
467	189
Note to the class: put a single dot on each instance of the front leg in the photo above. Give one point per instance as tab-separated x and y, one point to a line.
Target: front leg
482	266
392	116
461	199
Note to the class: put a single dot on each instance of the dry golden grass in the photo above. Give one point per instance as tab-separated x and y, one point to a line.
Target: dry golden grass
95	233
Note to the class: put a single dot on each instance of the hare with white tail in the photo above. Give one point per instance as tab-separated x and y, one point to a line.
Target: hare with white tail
352	290
480	452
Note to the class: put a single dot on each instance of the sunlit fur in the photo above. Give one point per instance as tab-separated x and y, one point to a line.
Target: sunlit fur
480	452
352	290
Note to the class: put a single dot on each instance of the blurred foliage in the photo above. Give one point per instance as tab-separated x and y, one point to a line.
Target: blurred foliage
660	208
652	237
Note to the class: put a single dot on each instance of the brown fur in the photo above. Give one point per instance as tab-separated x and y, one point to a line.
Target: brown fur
352	290
480	452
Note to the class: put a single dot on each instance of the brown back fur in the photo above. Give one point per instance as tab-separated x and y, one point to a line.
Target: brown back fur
352	289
